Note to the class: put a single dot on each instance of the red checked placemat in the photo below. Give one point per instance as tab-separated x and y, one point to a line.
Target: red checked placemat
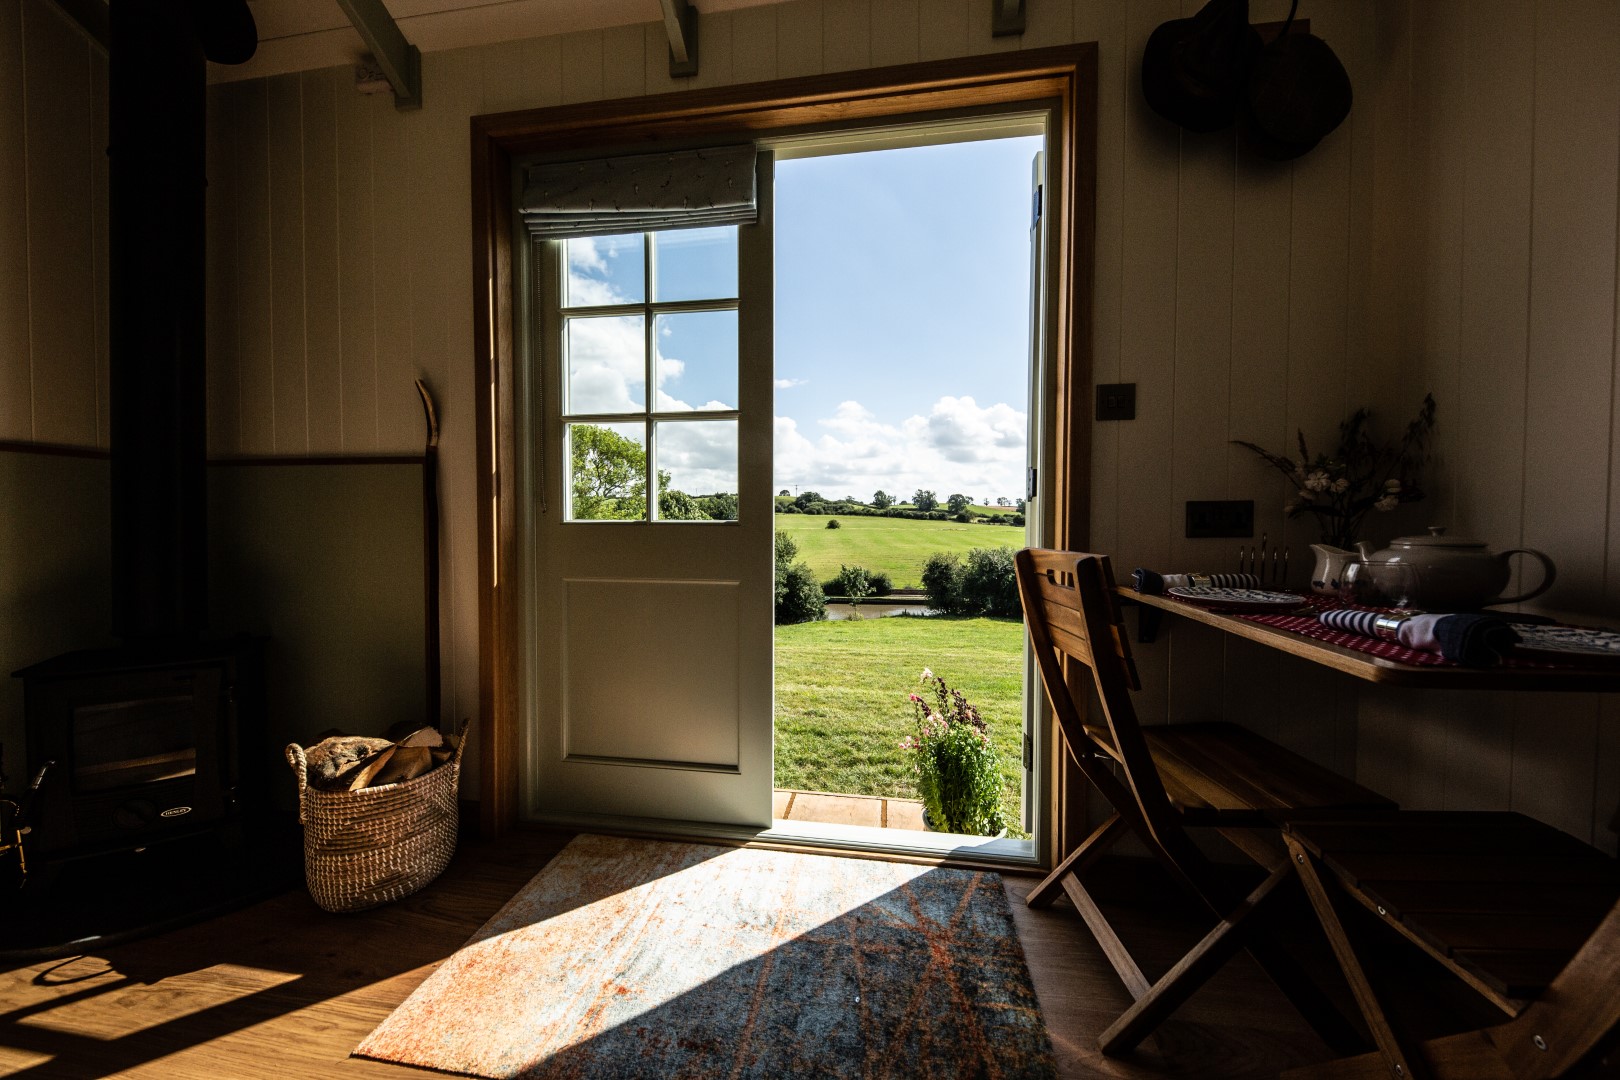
1307	626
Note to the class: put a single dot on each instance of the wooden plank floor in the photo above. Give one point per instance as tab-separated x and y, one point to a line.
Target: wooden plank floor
282	990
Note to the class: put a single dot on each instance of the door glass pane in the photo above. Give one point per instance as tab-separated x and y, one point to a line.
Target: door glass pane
697	360
699	457
607	472
605	270
607	368
695	264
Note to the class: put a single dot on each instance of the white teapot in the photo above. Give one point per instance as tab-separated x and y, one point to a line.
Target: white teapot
1451	574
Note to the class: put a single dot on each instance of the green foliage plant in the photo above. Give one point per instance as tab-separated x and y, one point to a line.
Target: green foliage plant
942	582
798	597
924	500
990	583
832	523
958	773
854	583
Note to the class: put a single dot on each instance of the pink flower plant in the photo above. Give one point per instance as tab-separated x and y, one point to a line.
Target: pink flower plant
956	766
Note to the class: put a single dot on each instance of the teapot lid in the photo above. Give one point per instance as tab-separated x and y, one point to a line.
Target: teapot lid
1437	538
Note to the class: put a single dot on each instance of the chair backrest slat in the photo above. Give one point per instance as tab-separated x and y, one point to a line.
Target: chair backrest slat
1056	587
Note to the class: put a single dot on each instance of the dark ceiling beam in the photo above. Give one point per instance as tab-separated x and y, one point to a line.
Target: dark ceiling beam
681	24
92	17
399	59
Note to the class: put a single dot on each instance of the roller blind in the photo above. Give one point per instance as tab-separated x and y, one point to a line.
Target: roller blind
683	189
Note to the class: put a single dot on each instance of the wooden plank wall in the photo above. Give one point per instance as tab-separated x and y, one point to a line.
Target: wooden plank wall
1458	234
53	229
1497	179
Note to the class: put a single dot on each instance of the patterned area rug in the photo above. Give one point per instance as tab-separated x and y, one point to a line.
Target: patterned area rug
635	958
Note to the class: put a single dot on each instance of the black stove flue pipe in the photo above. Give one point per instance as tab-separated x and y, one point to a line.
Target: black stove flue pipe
157	396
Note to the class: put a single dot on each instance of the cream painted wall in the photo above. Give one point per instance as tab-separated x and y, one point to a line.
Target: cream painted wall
1457	233
53	229
1496	184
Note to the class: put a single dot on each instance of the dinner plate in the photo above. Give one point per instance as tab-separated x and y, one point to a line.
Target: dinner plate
1237	599
1568	641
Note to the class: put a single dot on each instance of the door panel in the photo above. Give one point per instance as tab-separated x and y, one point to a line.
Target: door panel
654	635
637	692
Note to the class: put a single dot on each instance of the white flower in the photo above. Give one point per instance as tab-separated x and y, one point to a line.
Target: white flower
1306	496
926	675
1341	484
1392	484
1317	481
1388	502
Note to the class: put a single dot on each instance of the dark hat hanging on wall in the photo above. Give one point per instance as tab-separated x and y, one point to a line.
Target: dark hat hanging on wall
1209	71
1194	70
1298	91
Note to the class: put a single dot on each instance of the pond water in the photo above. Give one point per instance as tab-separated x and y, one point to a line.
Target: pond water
876	611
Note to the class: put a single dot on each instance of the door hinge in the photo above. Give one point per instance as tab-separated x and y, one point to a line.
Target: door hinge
1029	488
1029	752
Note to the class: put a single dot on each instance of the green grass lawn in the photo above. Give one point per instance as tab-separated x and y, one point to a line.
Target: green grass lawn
841	707
896	546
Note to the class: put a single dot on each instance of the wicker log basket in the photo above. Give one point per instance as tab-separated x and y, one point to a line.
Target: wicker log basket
368	847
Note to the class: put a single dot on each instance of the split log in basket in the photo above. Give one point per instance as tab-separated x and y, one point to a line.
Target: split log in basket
348	763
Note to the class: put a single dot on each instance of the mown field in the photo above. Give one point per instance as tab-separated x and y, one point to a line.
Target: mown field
896	546
841	707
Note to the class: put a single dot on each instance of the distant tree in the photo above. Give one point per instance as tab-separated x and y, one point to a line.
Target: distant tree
882	499
721	506
1002	500
855	583
674	505
832	523
987	500
924	500
609	474
804	498
958	503
798	597
1020	504
942	582
784	493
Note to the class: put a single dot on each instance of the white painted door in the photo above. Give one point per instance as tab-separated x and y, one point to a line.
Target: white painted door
654	614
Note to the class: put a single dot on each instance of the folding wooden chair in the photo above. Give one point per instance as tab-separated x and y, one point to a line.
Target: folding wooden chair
1526	915
1162	780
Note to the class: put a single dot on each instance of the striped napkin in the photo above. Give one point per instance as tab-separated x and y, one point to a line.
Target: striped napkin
1470	640
1151	584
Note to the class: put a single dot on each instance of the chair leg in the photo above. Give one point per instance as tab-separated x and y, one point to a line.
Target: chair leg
1397	1059
1114	950
1100	840
1190	972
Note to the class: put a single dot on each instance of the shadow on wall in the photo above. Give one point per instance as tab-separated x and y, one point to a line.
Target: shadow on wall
324	560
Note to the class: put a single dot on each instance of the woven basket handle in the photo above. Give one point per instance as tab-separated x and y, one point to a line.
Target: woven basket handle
461	743
300	765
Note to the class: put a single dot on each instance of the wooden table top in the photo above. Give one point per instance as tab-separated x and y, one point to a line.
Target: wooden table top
1390	672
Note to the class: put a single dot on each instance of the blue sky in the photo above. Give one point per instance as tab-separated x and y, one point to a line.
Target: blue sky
902	312
902	317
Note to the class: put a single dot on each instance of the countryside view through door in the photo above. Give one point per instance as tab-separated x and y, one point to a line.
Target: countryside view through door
902	383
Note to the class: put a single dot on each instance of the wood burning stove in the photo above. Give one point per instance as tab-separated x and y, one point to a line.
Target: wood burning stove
144	746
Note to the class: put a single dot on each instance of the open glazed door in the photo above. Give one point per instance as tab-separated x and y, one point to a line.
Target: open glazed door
653	524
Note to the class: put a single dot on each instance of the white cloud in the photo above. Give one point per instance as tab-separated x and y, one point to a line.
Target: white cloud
700	456
958	447
606	372
788	384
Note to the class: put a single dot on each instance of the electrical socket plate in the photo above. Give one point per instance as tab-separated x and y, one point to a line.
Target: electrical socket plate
1232	517
1116	401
